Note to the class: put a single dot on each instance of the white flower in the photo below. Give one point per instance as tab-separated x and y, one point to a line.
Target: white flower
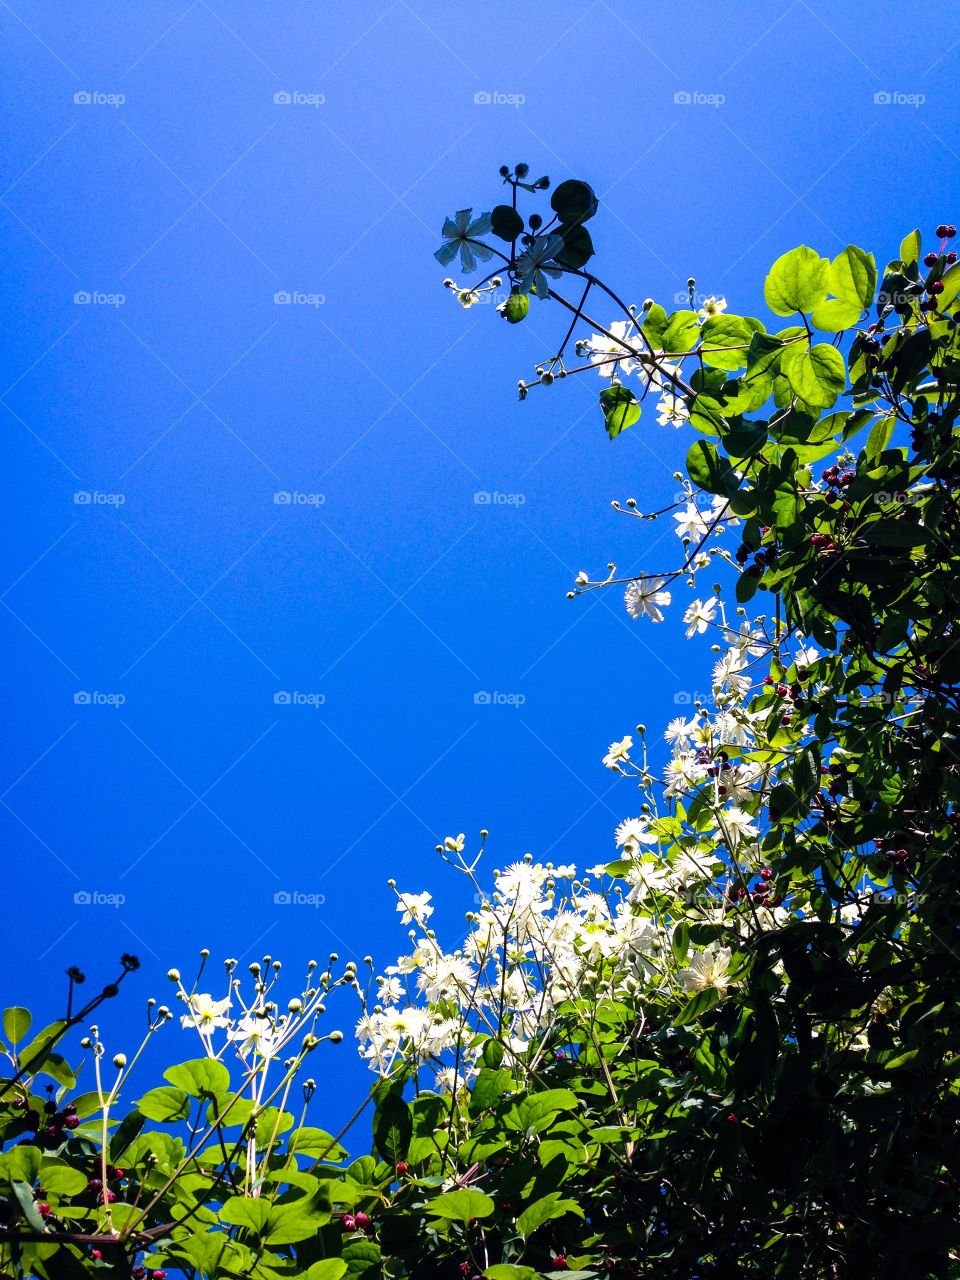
708	968
206	1013
454	844
806	656
672	409
414	907
255	1034
645	877
690	522
389	989
752	641
644	596
633	832
737	824
618	751
699	615
728	677
679	731
447	977
712	307
603	348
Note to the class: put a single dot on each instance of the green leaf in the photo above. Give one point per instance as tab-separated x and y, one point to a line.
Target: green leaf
489	1087
806	772
59	1179
853	276
244	1211
816	376
620	408
910	247
505	222
654	323
798	280
726	341
577	247
951	286
24	1193
697	1005
461	1205
573	201
682	332
544	1210
680	941
510	1271
200	1078
16	1023
531	1113
835	314
165	1104
315	1142
708	470
38	1050
326	1269
393	1129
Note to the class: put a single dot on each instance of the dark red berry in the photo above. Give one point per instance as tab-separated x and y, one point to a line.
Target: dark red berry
44	1209
943	231
348	1222
930	260
71	1122
361	1220
402	1167
936	287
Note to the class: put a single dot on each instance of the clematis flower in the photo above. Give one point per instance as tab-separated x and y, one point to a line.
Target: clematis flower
712	307
644	596
532	265
672	410
616	354
618	751
458	231
699	616
206	1014
709	968
414	907
690	522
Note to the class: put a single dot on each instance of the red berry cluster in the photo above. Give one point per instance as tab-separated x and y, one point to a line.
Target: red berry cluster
897	860
355	1221
837	480
54	1125
946	231
823	542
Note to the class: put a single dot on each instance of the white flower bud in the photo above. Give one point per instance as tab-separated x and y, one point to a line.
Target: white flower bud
336	1037
173	975
120	1061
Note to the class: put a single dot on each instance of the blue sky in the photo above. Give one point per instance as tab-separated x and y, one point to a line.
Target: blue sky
181	197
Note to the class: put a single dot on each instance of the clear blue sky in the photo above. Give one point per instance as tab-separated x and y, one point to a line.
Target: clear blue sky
197	398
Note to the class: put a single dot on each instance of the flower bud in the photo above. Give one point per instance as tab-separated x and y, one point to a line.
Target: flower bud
336	1037
120	1061
173	975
